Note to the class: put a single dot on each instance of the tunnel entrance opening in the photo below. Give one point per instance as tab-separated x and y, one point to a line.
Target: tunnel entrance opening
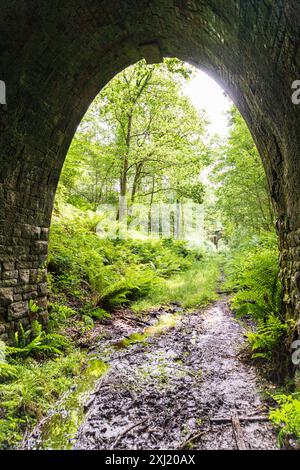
251	49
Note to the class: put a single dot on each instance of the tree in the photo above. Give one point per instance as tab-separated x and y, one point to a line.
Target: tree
242	193
141	139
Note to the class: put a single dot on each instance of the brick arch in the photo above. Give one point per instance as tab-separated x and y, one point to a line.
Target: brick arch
56	56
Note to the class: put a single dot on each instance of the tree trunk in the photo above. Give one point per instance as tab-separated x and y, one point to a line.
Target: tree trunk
124	171
136	180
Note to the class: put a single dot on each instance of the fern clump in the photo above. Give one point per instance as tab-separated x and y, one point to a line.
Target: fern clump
116	295
136	285
58	316
268	338
96	313
258	284
33	307
287	417
83	266
253	273
37	343
7	372
29	388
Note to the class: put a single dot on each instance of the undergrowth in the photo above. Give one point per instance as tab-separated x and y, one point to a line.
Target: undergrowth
29	388
88	279
253	275
108	273
39	367
191	289
286	417
252	272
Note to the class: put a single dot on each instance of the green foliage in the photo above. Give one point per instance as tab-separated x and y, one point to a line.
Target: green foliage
136	285
96	313
36	329
39	347
7	372
21	337
268	338
33	307
287	416
62	311
192	288
141	132
243	202
106	273
193	191
42	365
88	322
37	343
58	315
29	388
253	271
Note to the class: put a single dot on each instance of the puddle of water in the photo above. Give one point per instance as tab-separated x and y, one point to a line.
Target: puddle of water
59	429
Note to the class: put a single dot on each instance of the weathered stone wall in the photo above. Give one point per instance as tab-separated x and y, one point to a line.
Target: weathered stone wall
56	56
23	278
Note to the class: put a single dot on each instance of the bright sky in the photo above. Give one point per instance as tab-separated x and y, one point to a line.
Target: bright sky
206	94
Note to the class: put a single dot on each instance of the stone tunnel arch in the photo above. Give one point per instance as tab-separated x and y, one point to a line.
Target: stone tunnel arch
55	58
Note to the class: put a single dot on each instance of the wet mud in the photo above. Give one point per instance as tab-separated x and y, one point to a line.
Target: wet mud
183	387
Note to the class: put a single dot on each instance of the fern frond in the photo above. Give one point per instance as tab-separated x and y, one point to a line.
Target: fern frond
7	372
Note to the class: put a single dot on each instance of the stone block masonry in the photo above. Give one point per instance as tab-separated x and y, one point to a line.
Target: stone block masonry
56	57
22	279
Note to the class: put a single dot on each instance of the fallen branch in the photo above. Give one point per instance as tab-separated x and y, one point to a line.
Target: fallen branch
238	432
123	433
250	419
190	439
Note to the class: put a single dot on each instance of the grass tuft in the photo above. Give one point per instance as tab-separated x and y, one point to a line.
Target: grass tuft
191	289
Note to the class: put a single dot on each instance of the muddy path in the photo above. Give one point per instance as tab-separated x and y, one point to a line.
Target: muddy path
183	388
